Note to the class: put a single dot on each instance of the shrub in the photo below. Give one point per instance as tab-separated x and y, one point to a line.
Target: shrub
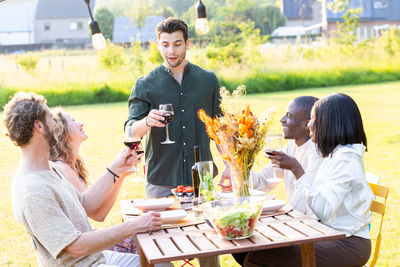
154	55
227	55
5	96
136	60
28	62
111	56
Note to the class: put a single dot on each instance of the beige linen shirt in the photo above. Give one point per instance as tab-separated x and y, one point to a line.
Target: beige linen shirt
50	208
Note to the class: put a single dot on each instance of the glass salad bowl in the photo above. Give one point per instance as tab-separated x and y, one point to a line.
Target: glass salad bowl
234	219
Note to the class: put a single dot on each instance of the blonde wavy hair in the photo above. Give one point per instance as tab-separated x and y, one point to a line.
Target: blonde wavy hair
62	149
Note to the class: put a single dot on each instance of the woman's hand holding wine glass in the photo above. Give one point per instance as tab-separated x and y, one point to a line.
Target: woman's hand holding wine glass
133	142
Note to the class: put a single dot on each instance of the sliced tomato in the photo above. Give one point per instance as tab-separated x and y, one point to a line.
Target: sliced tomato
188	190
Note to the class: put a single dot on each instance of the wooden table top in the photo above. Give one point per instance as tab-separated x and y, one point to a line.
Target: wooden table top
200	240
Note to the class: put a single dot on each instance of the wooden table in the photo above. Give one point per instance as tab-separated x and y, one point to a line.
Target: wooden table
291	228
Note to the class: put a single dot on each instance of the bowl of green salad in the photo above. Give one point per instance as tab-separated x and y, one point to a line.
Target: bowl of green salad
234	219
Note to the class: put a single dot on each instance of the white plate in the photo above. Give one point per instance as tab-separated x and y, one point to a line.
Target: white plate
273	205
172	216
255	192
156	204
259	193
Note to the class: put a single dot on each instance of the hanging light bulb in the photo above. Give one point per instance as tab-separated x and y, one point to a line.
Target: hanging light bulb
201	22
98	40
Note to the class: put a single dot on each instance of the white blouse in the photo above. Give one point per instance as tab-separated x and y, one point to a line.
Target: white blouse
339	194
309	159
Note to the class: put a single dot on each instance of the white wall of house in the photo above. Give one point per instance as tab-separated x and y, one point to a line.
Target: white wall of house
71	30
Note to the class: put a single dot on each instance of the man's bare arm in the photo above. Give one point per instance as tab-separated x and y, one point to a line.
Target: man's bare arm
99	240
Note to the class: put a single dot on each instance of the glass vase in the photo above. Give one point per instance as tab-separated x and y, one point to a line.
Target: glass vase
241	184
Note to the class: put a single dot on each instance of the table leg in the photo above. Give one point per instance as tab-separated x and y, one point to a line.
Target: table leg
308	255
143	259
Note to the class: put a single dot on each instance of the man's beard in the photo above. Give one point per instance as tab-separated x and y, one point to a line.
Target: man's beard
178	62
49	136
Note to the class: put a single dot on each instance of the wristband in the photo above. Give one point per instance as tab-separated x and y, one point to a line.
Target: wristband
146	123
115	176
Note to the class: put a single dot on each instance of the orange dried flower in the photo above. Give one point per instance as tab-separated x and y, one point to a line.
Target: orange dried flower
239	135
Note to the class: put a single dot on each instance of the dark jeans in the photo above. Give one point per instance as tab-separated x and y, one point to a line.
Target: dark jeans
349	252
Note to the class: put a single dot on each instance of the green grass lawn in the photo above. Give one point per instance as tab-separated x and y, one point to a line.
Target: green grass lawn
380	107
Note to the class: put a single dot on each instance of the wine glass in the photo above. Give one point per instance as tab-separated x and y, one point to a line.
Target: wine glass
168	118
274	142
133	142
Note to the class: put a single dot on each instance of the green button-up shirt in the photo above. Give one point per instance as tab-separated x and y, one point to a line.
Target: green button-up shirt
171	164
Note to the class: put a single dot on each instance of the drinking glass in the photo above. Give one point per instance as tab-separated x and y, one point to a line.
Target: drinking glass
197	207
206	174
168	118
274	142
133	142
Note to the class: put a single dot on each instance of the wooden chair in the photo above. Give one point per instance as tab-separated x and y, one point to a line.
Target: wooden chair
378	206
372	178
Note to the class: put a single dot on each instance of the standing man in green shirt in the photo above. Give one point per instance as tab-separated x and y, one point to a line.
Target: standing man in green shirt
188	88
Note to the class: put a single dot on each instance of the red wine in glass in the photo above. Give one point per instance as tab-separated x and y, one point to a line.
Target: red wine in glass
168	113
168	117
132	144
269	153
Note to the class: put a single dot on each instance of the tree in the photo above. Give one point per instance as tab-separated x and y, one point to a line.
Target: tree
165	11
347	29
139	13
106	21
119	8
179	6
267	18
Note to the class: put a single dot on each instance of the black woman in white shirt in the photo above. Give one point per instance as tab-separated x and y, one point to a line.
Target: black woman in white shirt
338	195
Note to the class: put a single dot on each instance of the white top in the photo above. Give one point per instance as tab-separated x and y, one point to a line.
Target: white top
339	194
309	159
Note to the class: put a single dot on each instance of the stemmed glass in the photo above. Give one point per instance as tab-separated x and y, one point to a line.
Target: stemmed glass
168	118
274	142
133	142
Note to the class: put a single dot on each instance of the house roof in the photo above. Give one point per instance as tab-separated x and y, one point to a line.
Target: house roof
294	31
125	30
17	16
53	9
287	31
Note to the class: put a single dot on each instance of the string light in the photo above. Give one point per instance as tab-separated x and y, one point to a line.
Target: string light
98	40
201	22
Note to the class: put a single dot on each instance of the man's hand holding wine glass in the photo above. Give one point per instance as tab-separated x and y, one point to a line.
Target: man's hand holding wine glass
274	148
155	118
282	160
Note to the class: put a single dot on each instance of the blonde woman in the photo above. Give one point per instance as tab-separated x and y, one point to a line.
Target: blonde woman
65	154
